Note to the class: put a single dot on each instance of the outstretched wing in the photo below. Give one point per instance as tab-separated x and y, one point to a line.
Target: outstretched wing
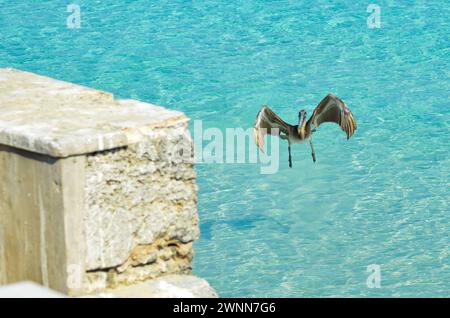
267	122
333	109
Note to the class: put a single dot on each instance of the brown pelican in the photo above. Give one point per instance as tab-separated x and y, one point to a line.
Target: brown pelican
330	109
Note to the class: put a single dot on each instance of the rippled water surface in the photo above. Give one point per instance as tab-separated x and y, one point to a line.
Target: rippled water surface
380	198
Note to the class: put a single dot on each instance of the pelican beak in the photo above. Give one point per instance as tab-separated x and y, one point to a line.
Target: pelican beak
302	116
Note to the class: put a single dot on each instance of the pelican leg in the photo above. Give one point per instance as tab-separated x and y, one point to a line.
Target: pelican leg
313	154
290	157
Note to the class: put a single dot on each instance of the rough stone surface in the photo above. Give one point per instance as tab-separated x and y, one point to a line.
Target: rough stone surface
170	286
61	119
140	210
94	193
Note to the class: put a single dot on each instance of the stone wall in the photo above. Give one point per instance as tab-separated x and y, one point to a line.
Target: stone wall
95	193
140	211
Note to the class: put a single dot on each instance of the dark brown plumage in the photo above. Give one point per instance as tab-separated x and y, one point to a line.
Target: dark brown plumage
333	109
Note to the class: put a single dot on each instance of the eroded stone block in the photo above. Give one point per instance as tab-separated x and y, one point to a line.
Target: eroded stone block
140	212
95	193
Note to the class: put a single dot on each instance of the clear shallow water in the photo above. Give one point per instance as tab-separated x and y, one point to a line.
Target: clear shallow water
381	198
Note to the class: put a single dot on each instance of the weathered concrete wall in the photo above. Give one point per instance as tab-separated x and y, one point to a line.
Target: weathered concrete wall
95	193
140	211
32	241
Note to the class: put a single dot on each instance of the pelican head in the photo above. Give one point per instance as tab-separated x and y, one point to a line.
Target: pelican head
301	116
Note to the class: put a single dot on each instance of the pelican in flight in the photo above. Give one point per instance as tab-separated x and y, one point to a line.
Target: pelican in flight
330	109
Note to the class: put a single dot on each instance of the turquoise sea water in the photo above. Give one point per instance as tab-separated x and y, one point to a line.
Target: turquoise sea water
380	198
